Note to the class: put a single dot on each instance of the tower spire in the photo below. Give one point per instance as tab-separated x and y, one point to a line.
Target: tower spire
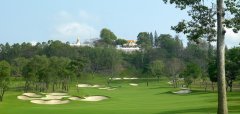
78	40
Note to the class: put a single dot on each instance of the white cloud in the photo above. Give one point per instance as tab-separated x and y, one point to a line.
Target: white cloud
73	29
232	39
69	26
87	17
84	14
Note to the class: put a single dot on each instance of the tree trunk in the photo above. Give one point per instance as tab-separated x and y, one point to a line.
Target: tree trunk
2	93
222	97
213	86
230	84
26	87
1	98
92	75
147	82
206	85
53	87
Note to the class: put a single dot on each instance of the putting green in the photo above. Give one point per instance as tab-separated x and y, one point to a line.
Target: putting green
157	98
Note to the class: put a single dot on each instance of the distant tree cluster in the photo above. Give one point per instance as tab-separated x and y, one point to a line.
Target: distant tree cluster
53	65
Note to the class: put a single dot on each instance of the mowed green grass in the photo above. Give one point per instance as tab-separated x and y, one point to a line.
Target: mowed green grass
154	99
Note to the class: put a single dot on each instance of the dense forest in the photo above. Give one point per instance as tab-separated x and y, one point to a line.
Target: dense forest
52	65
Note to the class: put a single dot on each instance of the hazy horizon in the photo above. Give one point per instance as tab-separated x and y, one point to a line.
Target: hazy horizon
38	21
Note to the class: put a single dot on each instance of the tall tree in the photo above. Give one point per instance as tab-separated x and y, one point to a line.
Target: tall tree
77	66
156	68
172	46
202	25
35	73
17	65
107	36
151	39
232	66
120	42
5	70
212	72
143	39
155	37
191	72
175	66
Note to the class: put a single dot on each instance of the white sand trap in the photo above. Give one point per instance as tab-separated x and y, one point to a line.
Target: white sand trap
134	78
96	86
25	98
170	82
32	95
57	94
94	98
87	85
53	97
74	98
126	78
107	88
186	91
84	85
104	88
133	84
115	78
50	102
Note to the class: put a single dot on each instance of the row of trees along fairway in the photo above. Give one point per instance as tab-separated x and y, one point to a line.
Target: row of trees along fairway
53	65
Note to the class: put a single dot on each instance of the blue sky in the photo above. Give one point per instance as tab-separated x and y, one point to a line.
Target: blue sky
43	20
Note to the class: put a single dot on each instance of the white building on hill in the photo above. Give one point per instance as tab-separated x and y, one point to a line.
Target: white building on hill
130	46
78	43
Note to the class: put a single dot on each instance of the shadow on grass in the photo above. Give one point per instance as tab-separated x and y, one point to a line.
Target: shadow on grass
194	92
17	89
234	94
160	87
232	109
190	111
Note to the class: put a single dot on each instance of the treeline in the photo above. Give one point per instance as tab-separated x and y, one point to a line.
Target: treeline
53	65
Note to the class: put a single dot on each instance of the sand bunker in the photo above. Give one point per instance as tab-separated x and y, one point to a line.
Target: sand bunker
89	98
87	85
74	98
50	102
170	82
57	94
130	78
32	95
104	88
53	97
57	98
125	78
115	78
25	98
133	84
185	91
107	88
48	96
96	86
84	85
94	98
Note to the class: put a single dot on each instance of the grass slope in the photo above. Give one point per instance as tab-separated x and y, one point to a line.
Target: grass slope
126	99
